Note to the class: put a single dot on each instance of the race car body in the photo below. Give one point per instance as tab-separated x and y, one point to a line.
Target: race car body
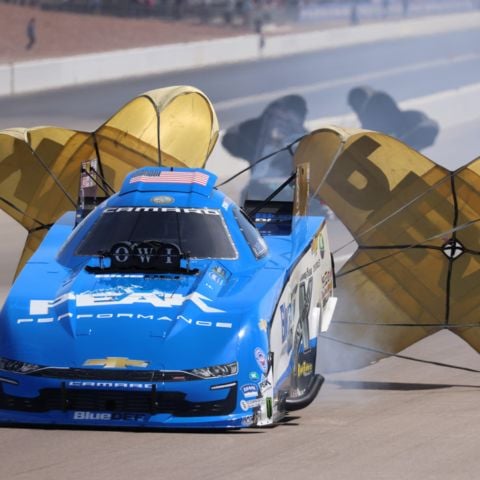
167	307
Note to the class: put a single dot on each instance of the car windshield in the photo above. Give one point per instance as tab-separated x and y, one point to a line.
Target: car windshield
197	232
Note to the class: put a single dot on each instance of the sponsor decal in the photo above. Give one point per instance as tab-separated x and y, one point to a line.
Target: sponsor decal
41	310
304	303
218	275
123	296
315	245
318	245
199	211
299	308
249	390
247	404
261	359
264	385
135	316
254	376
88	173
307	274
109	385
304	369
327	286
107	416
321	244
247	421
263	325
162	200
326	278
122	275
286	316
124	255
171	177
115	362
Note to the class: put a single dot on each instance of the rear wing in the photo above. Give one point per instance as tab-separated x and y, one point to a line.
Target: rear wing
275	217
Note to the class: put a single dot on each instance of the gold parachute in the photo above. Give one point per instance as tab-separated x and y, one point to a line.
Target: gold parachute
417	266
40	167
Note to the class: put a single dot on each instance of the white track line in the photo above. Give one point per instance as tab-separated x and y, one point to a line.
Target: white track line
352	80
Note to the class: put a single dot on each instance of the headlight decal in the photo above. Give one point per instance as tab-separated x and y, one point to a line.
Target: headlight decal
216	371
18	366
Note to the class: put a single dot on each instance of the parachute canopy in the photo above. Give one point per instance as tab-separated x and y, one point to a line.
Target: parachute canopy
417	266
40	168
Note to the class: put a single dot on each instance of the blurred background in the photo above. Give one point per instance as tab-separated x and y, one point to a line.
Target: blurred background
80	26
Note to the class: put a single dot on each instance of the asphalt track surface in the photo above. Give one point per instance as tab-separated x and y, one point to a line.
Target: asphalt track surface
397	419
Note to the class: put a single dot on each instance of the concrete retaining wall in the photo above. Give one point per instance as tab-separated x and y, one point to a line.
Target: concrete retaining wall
60	72
51	73
369	33
5	79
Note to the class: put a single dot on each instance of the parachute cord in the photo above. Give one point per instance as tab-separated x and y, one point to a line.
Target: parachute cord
52	175
449	177
396	212
42	226
100	165
272	195
403	357
288	148
441	326
416	245
97	183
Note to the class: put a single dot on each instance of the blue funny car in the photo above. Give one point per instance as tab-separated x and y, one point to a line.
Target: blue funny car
167	307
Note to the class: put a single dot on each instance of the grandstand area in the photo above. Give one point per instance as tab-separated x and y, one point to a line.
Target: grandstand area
60	33
69	27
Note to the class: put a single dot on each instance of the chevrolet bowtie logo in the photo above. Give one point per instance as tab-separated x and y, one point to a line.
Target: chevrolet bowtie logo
115	362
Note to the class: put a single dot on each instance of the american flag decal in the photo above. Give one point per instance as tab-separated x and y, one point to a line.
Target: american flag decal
172	177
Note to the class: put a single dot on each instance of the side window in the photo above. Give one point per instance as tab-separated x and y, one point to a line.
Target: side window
251	234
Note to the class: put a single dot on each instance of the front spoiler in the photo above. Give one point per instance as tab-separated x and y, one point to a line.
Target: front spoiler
131	409
124	420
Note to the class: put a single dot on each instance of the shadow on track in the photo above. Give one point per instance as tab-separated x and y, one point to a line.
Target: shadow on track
189	431
399	386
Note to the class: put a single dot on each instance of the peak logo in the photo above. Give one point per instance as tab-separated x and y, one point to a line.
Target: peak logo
89	305
105	298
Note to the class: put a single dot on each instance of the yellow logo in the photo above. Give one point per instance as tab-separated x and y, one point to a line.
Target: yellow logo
115	362
318	243
263	325
304	369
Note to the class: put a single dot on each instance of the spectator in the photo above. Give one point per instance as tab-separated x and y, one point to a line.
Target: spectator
205	11
31	33
258	20
354	12
246	9
95	5
229	11
178	9
386	5
293	10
